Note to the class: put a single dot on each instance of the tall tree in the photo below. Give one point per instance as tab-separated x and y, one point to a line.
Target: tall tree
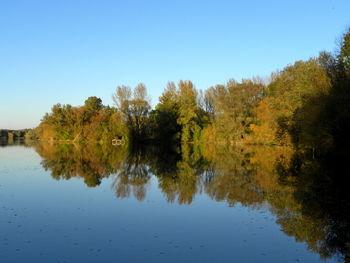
166	114
188	110
135	107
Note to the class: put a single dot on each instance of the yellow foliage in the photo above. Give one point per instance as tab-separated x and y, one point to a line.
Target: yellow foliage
264	132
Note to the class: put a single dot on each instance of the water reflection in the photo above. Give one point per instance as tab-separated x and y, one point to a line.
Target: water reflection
90	162
300	190
321	197
4	142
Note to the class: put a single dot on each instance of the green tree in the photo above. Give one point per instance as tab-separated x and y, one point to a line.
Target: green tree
164	117
188	112
231	108
298	85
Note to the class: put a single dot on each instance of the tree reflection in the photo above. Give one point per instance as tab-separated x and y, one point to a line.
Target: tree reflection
232	179
301	189
322	204
132	176
92	162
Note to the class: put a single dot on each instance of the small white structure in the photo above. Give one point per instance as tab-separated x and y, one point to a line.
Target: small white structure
118	142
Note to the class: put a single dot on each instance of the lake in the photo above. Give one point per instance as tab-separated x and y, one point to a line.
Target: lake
68	203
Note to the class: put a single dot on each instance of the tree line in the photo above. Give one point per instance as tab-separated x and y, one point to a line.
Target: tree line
306	104
6	134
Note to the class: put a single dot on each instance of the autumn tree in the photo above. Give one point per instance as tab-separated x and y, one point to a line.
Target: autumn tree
135	107
231	108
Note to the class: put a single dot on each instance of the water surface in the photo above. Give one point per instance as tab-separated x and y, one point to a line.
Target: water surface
88	203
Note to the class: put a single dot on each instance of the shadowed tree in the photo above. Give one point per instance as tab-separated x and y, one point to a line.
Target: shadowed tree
135	107
164	117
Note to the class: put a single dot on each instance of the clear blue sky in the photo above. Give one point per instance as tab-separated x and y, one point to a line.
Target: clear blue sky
64	51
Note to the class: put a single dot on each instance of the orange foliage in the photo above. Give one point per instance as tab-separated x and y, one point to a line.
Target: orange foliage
265	131
266	158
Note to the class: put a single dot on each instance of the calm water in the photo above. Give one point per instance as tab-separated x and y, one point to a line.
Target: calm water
86	204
